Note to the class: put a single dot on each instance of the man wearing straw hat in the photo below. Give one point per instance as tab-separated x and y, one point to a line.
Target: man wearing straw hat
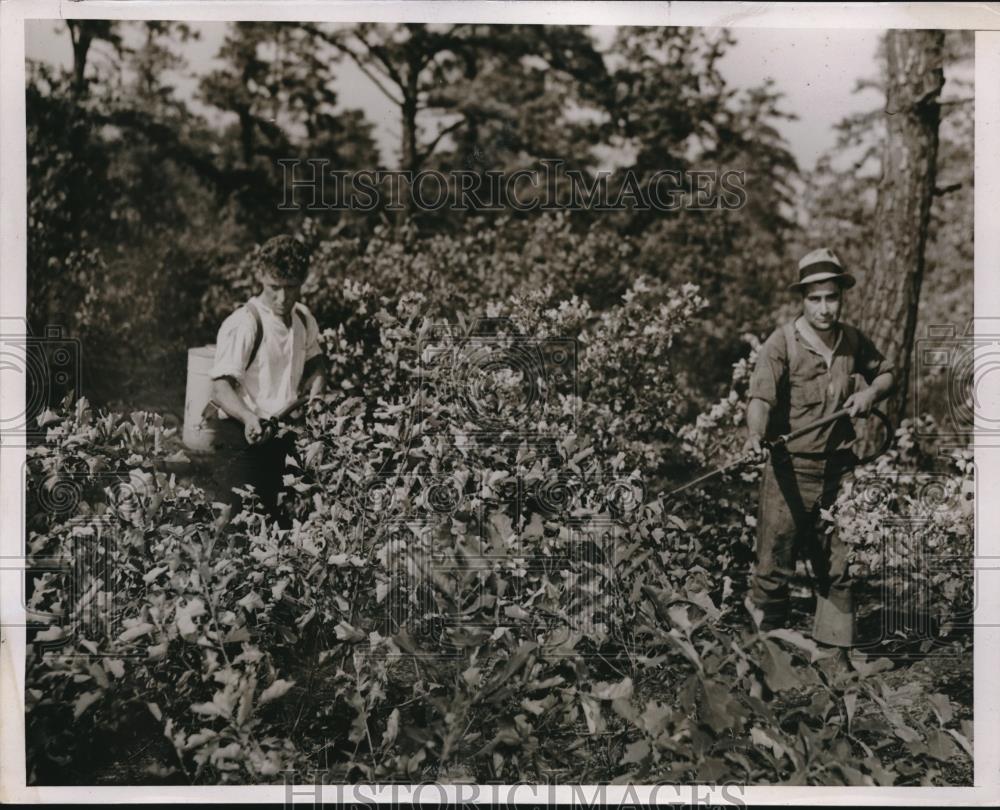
807	369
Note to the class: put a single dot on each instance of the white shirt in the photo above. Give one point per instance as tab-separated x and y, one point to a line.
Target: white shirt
272	380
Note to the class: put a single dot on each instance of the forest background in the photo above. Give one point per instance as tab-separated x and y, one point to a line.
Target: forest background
237	651
143	199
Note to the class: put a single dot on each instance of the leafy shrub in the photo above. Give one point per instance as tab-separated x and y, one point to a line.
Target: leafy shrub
910	521
466	591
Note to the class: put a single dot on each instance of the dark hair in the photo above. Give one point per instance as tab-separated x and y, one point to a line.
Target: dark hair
282	257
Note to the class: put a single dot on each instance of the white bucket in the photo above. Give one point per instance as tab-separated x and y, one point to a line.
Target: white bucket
199	434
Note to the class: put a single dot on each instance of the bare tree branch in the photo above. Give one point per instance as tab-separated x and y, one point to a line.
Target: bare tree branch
379	52
341	46
429	150
940	191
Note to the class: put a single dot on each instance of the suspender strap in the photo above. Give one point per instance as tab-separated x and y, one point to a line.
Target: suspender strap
791	344
851	339
258	335
850	336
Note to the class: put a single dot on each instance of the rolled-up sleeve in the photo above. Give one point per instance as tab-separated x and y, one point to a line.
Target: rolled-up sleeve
871	363
769	369
233	346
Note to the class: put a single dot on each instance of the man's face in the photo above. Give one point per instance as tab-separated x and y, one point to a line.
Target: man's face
821	304
280	295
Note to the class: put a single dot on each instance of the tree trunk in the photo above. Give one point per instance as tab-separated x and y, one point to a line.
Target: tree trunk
471	159
410	158
81	36
902	212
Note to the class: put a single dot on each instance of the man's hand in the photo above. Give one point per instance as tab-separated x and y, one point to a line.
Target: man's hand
860	403
254	431
225	396
755	449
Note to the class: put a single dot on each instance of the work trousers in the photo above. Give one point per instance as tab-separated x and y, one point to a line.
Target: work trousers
260	465
793	489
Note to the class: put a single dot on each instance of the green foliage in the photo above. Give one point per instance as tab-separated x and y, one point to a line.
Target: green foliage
140	206
478	583
925	556
133	205
447	607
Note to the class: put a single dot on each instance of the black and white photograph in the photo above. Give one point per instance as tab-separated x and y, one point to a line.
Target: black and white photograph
451	399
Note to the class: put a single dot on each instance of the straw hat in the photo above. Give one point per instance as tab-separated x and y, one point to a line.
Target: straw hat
821	265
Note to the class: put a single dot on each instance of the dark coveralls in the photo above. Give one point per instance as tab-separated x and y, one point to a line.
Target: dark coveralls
793	378
260	465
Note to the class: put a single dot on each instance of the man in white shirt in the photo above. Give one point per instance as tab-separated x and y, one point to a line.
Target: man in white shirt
267	355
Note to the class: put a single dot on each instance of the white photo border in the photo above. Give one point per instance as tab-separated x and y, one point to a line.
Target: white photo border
983	18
